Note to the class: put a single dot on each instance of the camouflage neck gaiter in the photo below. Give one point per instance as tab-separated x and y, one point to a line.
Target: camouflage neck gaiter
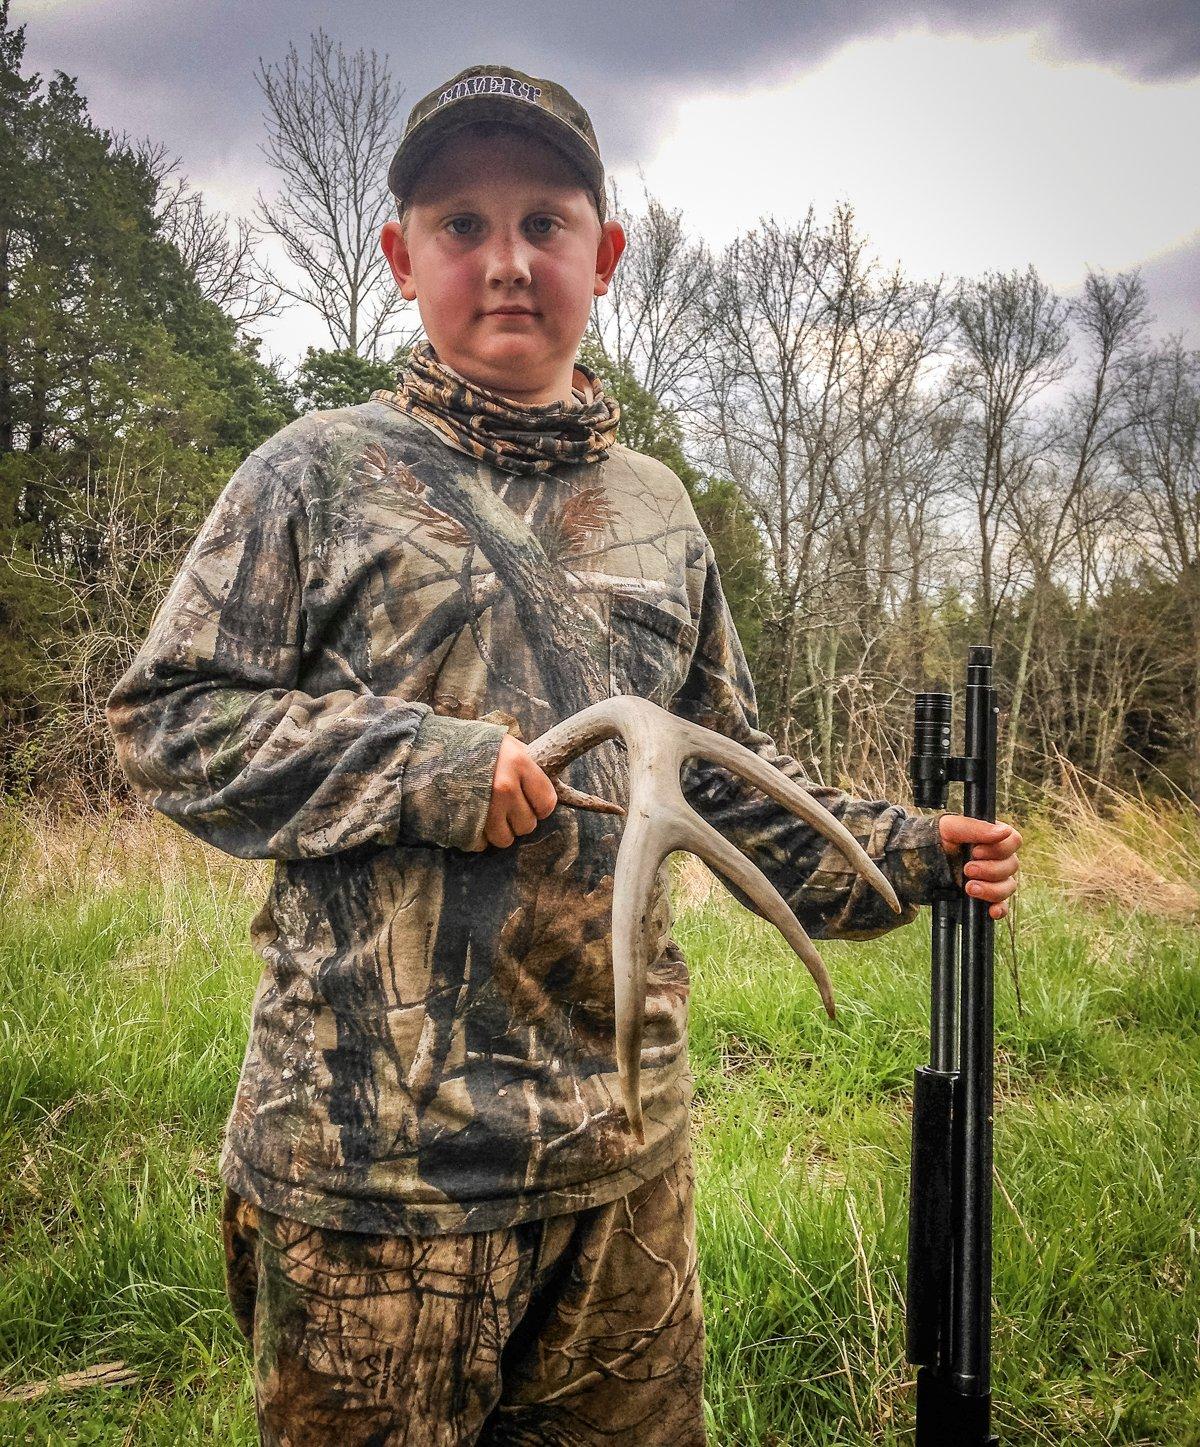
510	435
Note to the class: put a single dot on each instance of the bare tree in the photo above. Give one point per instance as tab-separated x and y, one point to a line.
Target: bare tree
1163	461
332	135
773	423
921	488
653	319
229	271
1112	651
814	410
894	329
1013	340
1046	502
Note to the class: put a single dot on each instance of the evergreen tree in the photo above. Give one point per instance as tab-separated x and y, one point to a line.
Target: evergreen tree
342	378
121	386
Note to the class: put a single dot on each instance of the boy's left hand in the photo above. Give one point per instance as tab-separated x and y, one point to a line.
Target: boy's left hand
990	868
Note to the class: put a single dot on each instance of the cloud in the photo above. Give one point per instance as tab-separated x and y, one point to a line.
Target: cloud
957	156
1173	285
966	136
620	55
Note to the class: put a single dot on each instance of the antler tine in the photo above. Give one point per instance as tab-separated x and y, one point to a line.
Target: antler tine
554	750
658	822
699	837
558	746
613	717
720	749
577	799
657	826
646	841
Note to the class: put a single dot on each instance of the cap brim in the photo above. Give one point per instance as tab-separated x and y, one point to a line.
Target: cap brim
416	149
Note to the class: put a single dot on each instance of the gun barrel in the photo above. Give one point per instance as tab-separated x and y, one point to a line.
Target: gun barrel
973	1296
950	1221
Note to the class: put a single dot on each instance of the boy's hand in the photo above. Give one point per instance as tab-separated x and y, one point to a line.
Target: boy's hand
990	871
522	794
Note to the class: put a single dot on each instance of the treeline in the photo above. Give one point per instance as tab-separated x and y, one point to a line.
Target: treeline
928	465
889	470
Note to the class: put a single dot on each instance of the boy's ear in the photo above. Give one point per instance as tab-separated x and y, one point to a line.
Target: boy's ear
395	248
608	253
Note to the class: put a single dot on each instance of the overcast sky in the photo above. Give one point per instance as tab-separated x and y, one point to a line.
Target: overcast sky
968	136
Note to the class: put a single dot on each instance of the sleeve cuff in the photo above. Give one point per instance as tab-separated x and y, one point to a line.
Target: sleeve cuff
446	788
921	869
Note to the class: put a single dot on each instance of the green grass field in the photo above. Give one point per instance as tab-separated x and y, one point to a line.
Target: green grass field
127	980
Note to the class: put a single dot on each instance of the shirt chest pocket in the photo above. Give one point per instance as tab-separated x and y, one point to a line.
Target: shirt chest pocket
650	647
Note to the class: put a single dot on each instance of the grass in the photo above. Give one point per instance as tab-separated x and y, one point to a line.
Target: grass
127	980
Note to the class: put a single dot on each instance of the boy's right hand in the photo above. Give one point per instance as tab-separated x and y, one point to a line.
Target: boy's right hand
522	794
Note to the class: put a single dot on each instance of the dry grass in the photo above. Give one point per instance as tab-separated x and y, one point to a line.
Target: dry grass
692	882
49	852
1098	844
74	850
1105	846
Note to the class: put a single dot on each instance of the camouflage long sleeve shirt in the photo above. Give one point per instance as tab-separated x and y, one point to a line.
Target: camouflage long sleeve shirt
362	615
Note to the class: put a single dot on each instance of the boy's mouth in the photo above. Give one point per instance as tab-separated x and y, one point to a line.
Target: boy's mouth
511	311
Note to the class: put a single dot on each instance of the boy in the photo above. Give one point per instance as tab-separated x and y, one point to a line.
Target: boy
438	1226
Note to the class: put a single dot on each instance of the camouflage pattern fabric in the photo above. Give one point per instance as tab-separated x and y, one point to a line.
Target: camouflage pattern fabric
577	1329
361	617
511	436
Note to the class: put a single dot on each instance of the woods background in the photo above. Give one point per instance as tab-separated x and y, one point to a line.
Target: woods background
889	470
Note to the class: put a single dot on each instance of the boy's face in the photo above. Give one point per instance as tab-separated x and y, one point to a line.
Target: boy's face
503	220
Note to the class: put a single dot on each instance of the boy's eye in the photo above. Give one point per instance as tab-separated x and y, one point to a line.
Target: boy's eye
539	230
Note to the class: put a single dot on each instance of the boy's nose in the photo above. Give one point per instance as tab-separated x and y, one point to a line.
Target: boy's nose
508	260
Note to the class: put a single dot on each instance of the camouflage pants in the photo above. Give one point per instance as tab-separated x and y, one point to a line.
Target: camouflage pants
577	1329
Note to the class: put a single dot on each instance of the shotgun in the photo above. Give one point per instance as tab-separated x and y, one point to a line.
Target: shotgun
949	1302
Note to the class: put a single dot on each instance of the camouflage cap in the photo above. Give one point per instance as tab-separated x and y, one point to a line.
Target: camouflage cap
497	92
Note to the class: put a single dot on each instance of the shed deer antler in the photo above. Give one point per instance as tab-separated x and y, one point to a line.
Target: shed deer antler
660	821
